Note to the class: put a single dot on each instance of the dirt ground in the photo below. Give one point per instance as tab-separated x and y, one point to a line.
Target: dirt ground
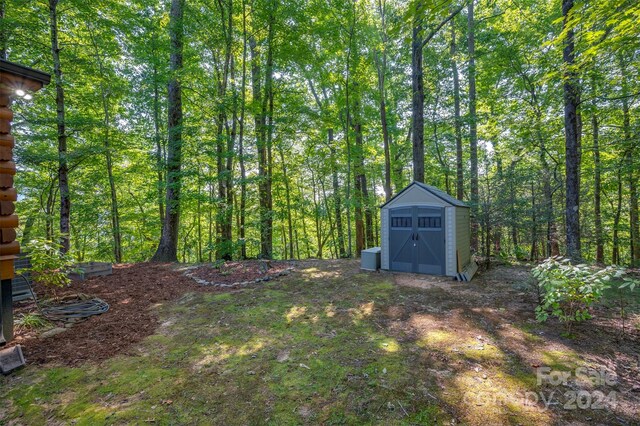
328	344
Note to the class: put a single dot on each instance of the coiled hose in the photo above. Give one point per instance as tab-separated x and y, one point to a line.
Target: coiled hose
70	312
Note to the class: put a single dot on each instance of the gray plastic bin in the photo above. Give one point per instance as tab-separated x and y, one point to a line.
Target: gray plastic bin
370	259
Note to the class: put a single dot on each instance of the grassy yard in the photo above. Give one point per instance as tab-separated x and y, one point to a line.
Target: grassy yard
331	345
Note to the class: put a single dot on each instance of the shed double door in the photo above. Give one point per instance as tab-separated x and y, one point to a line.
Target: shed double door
417	240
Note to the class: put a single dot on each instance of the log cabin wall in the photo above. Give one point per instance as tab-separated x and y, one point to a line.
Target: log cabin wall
15	81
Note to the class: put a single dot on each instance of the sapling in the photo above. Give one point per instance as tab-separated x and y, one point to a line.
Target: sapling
569	290
49	266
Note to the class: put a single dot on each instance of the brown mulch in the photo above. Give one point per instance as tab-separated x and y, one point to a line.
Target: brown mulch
130	291
246	271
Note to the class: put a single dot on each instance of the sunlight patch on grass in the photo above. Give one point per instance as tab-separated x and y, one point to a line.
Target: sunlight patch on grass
492	397
481	351
437	338
330	310
361	312
389	345
295	312
561	360
217	353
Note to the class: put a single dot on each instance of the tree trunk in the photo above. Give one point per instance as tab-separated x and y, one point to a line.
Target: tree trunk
347	132
417	105
243	172
168	248
160	160
224	142
115	216
288	200
571	95
358	188
63	166
615	256
263	101
381	66
534	228
634	223
597	190
199	214
457	120
104	91
336	195
473	126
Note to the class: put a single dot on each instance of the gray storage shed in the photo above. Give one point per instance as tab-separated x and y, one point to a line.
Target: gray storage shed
425	230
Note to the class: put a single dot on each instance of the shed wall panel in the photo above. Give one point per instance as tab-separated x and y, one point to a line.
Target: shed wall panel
384	238
450	241
463	235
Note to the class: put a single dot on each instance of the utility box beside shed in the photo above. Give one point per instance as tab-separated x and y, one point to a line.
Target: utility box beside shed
370	259
425	230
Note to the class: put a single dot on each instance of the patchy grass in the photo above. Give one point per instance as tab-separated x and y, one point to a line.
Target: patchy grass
326	345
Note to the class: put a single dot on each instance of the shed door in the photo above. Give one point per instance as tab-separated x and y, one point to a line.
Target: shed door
416	240
430	240
401	244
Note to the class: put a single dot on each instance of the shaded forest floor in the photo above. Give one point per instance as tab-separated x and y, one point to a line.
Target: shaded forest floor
326	344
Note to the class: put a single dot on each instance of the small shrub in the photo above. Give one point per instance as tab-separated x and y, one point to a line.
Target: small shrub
520	253
49	266
31	321
569	290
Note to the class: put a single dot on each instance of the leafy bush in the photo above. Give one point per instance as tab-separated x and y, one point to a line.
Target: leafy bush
569	290
49	266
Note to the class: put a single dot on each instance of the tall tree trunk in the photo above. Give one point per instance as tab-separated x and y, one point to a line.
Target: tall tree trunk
63	166
347	132
224	142
457	120
512	206
168	247
534	228
287	193
230	155
358	186
615	256
199	213
634	222
597	190
160	160
243	172
263	101
552	241
473	126
337	204
115	216
417	104
305	235
381	66
571	94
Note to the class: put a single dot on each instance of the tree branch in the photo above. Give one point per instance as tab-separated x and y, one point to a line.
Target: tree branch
433	33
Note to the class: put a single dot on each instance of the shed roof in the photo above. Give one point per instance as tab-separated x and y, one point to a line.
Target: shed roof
433	191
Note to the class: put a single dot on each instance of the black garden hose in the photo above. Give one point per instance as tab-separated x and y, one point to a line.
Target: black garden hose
70	312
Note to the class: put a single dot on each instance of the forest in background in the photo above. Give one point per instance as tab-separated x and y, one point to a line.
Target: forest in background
259	128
